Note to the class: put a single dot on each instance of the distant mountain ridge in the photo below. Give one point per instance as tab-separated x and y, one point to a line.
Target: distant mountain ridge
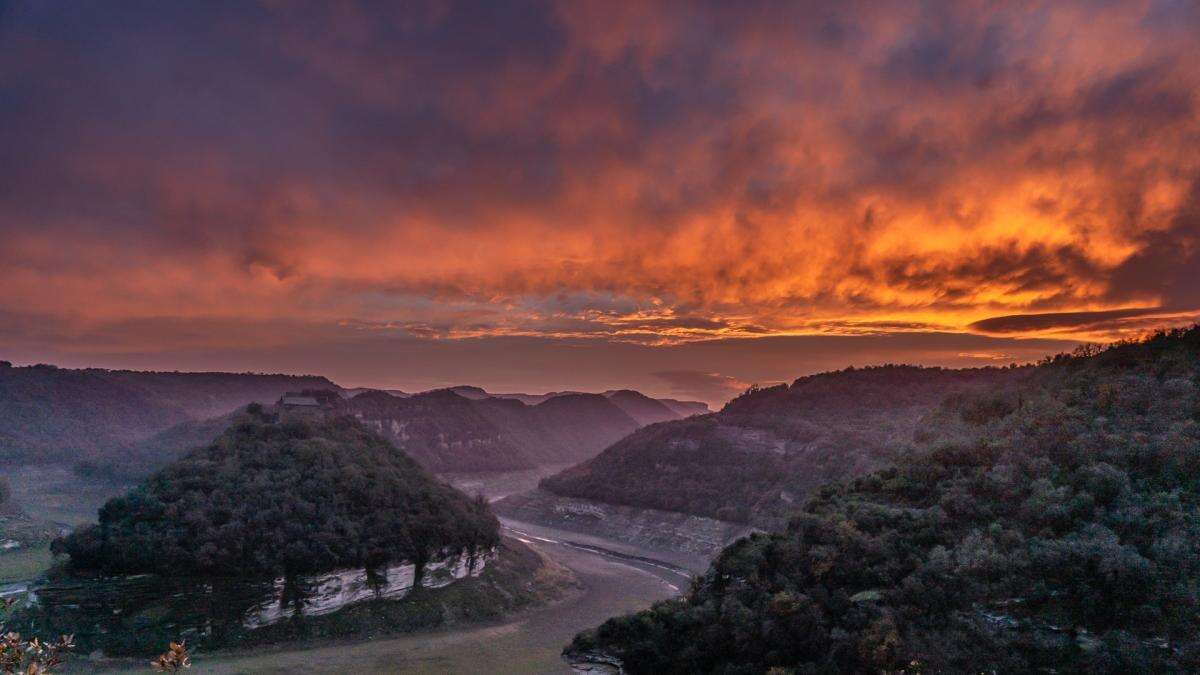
446	431
624	397
122	424
466	428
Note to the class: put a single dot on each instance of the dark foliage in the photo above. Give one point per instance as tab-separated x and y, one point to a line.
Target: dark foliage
1054	528
273	496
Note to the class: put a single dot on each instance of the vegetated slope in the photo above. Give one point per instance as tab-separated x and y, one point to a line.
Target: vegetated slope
641	408
754	461
1050	528
583	424
50	414
445	431
55	414
273	496
514	421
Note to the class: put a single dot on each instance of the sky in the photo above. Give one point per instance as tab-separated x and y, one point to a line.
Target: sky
681	197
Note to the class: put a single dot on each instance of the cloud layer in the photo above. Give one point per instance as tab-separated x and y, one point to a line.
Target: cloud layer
652	173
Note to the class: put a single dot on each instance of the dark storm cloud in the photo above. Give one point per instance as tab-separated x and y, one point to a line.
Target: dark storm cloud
1167	263
1026	323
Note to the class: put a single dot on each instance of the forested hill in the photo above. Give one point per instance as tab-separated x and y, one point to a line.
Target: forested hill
1052	527
273	496
50	414
756	460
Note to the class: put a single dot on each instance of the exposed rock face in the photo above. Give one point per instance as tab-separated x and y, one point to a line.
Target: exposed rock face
692	536
328	593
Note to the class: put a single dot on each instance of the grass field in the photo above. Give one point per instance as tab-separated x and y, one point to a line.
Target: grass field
24	564
57	494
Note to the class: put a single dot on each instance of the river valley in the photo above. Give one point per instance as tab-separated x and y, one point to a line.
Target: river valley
612	582
611	578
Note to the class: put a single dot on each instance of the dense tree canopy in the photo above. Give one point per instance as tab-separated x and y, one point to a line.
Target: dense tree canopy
1052	527
273	496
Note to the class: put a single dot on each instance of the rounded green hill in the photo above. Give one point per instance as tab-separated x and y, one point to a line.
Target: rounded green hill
282	496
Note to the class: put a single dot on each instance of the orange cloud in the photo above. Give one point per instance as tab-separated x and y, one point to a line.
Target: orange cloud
654	173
